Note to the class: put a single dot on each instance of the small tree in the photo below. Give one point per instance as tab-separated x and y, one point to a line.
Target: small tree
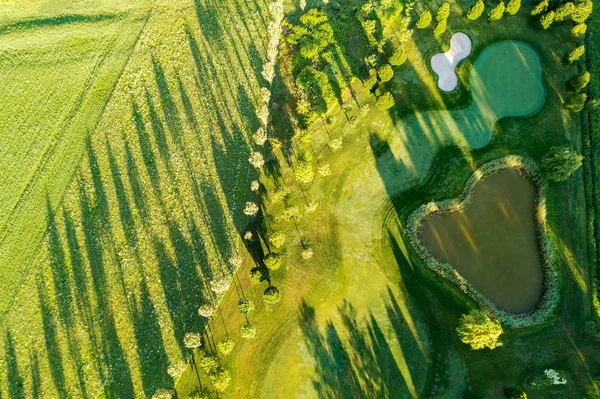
209	364
582	11
163	393
304	172
578	30
513	6
592	390
251	209
257	160
176	369
579	82
547	19
576	54
479	330
540	8
307	254
476	10
220	380
260	137
398	57
440	28
245	306
324	170
272	261
226	346
206	310
220	284
514	394
248	331
497	12
192	340
424	20
564	11
277	239
271	295
290	213
336	143
385	101
257	274
560	163
385	73
443	12
576	102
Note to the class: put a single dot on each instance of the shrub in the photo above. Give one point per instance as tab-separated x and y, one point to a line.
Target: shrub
560	163
272	261
271	295
578	30
220	284
192	340
576	102
226	346
386	101
277	239
245	306
440	28
579	82
564	11
324	170
576	54
248	331
497	12
307	253
514	394
385	73
257	160
257	274
476	10
513	6
540	8
398	57
479	330
335	144
424	20
290	213
548	377
582	11
547	19
443	12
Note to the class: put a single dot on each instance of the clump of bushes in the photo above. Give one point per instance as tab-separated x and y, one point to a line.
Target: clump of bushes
479	330
497	12
560	163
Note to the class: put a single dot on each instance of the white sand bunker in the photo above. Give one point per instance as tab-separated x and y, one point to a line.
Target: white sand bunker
444	64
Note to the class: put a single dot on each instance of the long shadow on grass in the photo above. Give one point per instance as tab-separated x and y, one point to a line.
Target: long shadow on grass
13	375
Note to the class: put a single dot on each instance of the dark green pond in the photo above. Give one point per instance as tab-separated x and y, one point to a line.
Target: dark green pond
493	243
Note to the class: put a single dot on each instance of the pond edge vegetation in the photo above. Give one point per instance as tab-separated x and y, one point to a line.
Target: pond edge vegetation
550	291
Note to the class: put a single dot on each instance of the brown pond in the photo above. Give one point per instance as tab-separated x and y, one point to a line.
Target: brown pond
493	243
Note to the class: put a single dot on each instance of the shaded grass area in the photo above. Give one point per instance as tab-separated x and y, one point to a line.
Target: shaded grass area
151	215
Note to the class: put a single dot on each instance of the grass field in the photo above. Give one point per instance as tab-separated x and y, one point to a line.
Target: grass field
134	126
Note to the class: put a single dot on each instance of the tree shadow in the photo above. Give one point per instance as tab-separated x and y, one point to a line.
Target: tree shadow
13	375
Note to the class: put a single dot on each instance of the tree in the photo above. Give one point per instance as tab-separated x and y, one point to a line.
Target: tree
163	393
514	394
192	340
513	6
440	28
369	26
564	11
324	170
560	163
290	213
385	101
272	261
592	390
547	19
578	30
304	172
226	346
257	160
251	209
579	82
260	137
312	34
476	10
424	20
398	57
176	369
497	12
385	73
576	54
220	284
479	330
248	331
277	239
582	11
336	143
209	364
257	274
576	102
271	295
443	12
206	310
307	253
245	306
220	380
540	8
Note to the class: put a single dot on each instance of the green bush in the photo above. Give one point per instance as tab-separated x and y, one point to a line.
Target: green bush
443	12
590	327
440	28
578	82
226	346
513	7
304	172
497	12
385	101
575	54
272	261
547	19
312	34
548	377
514	394
592	390
476	10
578	30
576	102
582	11
479	330
220	380
245	306
271	295
540	8
398	57
385	73
564	11
560	163
248	331
257	274
424	20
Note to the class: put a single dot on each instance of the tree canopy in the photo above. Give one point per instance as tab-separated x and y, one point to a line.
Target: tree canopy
560	163
479	330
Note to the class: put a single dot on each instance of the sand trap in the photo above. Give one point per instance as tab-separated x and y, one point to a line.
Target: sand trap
444	63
